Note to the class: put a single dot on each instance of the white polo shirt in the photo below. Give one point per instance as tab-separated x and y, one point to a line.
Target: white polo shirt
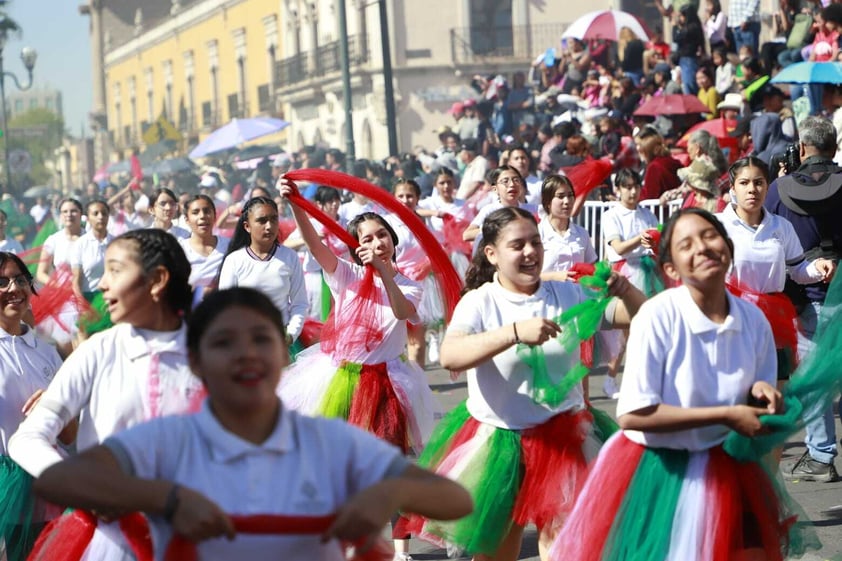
27	364
307	467
562	250
114	380
499	389
677	356
434	202
11	245
764	255
59	247
89	256
621	223
203	270
281	278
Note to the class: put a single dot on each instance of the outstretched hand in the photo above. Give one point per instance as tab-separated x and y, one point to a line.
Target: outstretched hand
197	518
287	187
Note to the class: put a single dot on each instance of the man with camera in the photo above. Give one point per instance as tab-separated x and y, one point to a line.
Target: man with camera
811	198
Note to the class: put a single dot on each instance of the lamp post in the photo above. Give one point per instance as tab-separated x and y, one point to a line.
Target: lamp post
28	56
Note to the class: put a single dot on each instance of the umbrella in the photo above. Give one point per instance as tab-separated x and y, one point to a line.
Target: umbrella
672	104
606	24
718	128
810	73
38	191
236	132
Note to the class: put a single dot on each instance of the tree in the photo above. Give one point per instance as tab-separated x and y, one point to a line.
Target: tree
40	132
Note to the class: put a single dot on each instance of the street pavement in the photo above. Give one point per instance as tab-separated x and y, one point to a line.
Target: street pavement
822	502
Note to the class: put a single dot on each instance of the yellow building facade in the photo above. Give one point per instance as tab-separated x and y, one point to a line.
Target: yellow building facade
201	65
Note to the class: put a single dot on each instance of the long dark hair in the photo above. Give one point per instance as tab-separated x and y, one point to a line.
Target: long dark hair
220	300
481	270
157	248
241	237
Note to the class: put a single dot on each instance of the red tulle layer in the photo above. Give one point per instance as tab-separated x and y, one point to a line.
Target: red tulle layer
360	325
376	408
554	469
590	522
181	549
778	309
746	510
67	537
311	332
452	230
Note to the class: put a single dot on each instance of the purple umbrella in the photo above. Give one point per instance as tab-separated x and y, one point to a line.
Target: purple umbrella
236	132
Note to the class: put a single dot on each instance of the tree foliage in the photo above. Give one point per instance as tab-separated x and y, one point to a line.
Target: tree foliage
38	131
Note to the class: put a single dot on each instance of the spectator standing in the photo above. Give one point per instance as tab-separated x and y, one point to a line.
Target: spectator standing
476	166
630	52
520	101
691	43
576	60
744	20
716	25
468	126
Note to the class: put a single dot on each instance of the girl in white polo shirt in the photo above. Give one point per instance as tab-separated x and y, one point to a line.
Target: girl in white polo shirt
247	458
135	371
522	457
163	207
256	259
700	363
565	242
203	249
510	190
27	364
767	251
88	265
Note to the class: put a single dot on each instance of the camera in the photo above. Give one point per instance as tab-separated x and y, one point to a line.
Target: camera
792	159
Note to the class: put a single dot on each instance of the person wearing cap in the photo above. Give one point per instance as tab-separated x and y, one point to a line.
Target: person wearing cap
730	107
476	166
280	165
468	125
700	178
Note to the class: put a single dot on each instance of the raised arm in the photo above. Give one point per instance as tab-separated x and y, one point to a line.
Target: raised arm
320	251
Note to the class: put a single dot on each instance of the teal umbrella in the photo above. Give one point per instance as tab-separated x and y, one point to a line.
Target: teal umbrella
810	73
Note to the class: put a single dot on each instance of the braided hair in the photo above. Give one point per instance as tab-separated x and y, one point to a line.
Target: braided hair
156	248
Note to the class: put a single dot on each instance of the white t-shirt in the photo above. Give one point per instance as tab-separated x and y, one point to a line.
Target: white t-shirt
203	270
27	364
350	210
89	256
533	190
621	223
472	178
121	222
497	205
11	245
60	248
434	202
677	356
499	389
763	256
281	278
178	232
307	467
562	250
343	285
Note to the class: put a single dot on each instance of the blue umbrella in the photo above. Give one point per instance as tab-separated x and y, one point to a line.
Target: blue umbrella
170	167
810	73
236	132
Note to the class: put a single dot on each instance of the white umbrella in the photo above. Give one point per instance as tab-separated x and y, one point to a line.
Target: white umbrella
236	132
606	24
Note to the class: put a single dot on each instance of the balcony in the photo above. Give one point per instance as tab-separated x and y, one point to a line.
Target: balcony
324	60
478	45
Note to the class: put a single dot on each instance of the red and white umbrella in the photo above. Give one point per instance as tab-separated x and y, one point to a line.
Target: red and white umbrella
606	24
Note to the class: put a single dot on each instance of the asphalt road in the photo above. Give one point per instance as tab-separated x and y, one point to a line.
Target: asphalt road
822	502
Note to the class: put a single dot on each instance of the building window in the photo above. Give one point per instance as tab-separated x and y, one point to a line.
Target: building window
207	114
18	106
33	103
264	98
491	27
233	106
127	134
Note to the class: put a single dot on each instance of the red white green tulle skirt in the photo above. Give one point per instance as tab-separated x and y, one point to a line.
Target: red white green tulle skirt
658	504
514	477
391	399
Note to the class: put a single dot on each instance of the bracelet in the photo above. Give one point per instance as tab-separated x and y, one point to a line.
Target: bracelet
171	505
514	328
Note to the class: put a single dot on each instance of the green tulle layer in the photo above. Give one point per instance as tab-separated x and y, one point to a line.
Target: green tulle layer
16	508
98	319
340	392
657	481
603	424
578	324
494	490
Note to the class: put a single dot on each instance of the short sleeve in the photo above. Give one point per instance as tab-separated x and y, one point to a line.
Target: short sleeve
370	460
344	275
468	315
611	227
646	350
141	449
75	258
227	272
793	251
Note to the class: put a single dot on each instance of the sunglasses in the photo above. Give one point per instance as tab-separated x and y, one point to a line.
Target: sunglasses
20	281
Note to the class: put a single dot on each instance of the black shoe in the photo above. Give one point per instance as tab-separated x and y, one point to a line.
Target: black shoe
808	469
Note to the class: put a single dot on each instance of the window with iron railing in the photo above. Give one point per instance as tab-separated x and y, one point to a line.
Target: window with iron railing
264	101
325	59
207	114
477	44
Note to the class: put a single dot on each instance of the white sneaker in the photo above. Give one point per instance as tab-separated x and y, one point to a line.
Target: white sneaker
433	348
609	386
402	557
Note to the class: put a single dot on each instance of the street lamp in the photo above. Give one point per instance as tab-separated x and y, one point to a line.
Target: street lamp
28	56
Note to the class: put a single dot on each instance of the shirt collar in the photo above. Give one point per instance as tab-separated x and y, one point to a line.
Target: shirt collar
700	323
143	341
28	336
226	447
730	212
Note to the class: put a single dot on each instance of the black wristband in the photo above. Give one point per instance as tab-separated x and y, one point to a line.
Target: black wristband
172	503
514	328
